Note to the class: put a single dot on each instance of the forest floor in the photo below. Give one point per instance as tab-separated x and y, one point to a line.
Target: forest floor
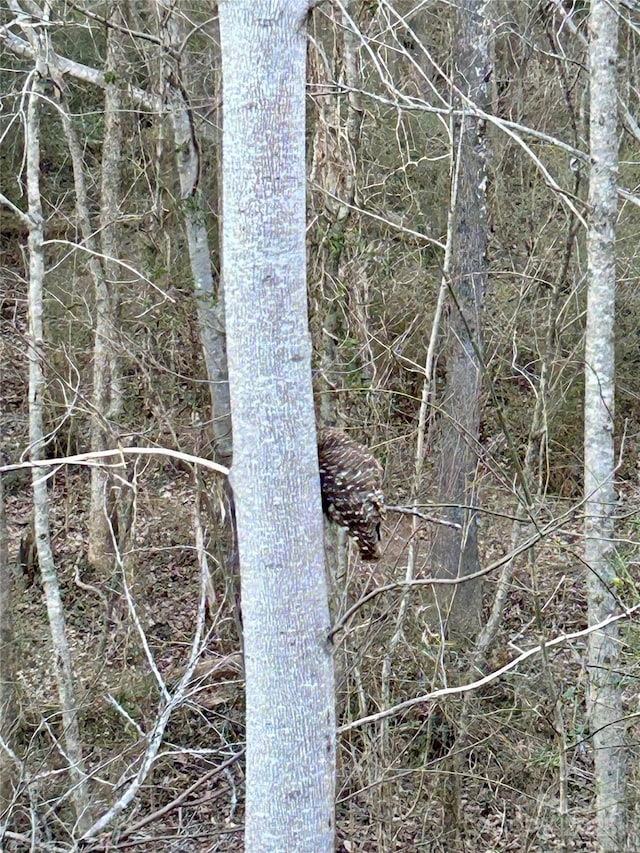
498	792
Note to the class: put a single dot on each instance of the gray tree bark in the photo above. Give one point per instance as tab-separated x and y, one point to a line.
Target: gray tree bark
7	674
107	391
605	693
333	180
209	307
61	653
288	661
456	550
209	304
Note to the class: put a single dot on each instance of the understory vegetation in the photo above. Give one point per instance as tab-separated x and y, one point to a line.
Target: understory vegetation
507	766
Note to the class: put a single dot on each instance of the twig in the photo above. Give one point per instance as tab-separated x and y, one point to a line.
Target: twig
493	676
97	455
24	217
150	818
407	510
507	558
169	701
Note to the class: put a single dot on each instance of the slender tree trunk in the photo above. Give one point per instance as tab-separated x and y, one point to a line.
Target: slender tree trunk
61	653
456	550
333	179
209	299
107	393
209	302
605	693
7	687
288	662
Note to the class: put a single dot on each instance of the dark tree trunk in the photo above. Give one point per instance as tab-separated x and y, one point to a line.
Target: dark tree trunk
456	550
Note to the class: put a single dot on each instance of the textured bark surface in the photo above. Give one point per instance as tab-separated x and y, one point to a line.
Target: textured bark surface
107	391
288	662
60	654
456	550
333	177
209	303
605	692
7	675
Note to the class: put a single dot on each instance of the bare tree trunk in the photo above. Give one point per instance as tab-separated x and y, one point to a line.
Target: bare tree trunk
456	550
7	687
209	302
605	693
289	669
333	179
107	393
61	653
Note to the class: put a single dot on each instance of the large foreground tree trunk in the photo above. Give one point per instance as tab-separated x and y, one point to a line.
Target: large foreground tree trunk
288	662
605	694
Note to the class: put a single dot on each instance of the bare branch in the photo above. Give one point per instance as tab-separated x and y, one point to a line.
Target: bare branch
109	23
493	676
24	217
407	510
76	69
96	457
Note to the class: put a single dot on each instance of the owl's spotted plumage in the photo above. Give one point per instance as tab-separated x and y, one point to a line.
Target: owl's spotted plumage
351	480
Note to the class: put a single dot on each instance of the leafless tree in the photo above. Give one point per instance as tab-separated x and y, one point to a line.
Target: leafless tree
456	548
61	653
107	390
209	301
7	672
288	662
606	716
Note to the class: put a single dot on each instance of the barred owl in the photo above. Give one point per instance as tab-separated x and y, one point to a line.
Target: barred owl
351	481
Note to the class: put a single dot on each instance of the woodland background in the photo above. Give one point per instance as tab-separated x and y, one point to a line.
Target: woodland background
507	767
